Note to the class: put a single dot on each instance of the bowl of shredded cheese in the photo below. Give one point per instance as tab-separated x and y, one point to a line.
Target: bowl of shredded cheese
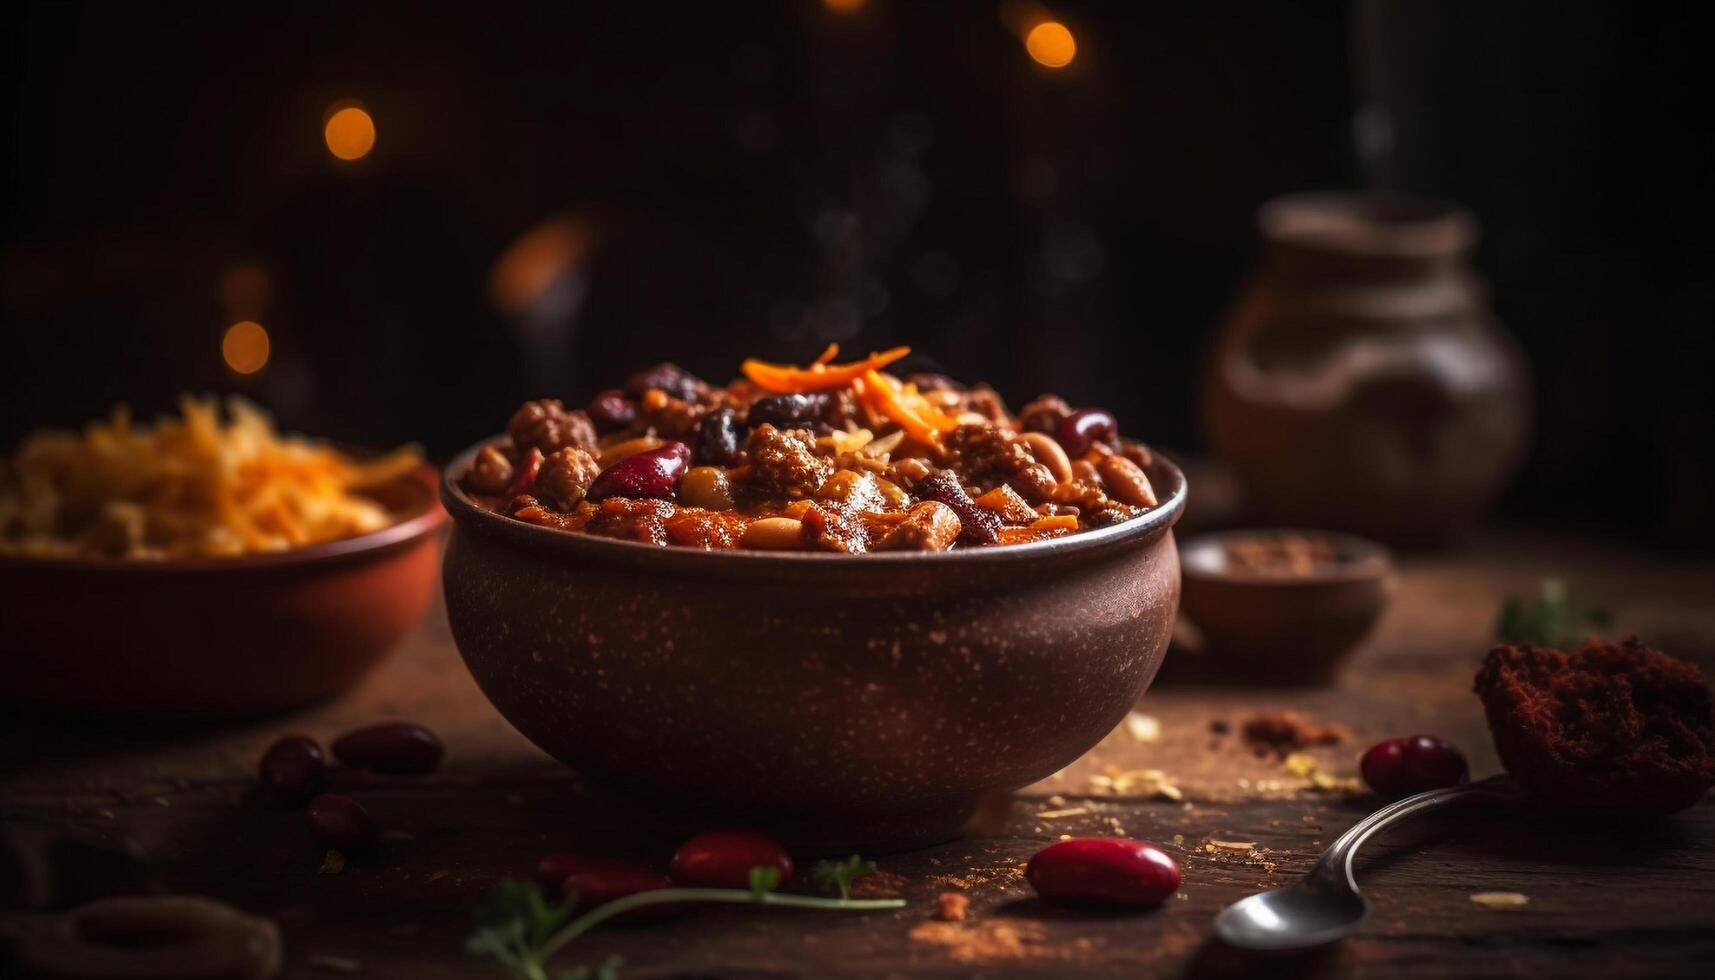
205	564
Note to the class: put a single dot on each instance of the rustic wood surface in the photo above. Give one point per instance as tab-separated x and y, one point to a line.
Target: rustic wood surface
1602	903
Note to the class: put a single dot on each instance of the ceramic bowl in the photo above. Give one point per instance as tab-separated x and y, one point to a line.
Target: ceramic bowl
1284	629
864	702
217	637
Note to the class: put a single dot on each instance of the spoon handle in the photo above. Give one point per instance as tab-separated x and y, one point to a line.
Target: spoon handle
1335	866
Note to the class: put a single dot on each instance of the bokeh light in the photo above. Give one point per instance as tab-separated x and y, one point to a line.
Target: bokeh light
843	6
350	133
245	347
1051	44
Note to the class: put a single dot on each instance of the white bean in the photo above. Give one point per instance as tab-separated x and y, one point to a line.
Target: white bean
773	534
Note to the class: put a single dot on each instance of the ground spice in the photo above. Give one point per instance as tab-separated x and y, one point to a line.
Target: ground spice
1285	731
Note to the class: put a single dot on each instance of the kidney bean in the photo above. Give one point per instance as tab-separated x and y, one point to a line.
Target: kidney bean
1402	766
528	469
792	411
655	473
397	748
1077	431
595	887
1103	871
723	859
720	438
977	524
340	822
291	770
667	377
611	411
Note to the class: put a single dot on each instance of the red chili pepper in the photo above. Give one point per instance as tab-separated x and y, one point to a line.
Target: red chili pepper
528	468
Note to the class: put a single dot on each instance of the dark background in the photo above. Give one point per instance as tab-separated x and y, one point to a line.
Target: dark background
724	180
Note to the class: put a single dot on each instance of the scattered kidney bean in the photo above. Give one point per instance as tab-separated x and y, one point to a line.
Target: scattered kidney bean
1103	871
528	468
397	748
594	887
667	377
611	411
340	822
720	438
723	859
1077	431
655	473
977	524
291	770
794	411
1402	766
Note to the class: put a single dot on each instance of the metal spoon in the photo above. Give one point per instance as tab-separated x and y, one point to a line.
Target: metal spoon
1326	905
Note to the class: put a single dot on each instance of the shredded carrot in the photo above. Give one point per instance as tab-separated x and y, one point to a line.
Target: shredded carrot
880	393
1055	522
786	379
832	351
930	412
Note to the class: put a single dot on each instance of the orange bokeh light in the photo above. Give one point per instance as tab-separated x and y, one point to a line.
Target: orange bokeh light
245	347
843	6
1051	44
350	133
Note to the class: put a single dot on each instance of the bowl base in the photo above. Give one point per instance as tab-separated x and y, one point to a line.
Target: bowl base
819	836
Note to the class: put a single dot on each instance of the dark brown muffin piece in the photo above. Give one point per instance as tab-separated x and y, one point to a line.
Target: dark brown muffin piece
1612	729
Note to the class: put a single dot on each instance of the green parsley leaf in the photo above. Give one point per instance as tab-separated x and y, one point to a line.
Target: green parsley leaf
763	880
1552	619
838	875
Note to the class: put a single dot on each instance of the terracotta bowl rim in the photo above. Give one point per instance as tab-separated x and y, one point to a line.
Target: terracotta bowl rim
1374	560
466	513
422	520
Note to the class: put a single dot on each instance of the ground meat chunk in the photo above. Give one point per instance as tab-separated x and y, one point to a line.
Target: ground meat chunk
490	472
632	519
783	464
988	456
1043	414
669	417
928	526
985	401
1092	502
545	424
833	530
565	475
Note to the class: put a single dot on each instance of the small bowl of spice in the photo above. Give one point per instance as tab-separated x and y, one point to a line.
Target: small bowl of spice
1284	605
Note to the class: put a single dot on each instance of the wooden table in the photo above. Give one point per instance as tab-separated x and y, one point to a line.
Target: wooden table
1602	904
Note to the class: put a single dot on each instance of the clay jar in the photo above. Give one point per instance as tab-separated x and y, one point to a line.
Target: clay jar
1360	382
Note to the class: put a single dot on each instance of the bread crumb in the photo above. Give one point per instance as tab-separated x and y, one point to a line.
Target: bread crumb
951	907
1142	727
1500	900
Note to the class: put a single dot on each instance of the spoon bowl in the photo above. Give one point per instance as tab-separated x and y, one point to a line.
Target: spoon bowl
1300	916
1326	906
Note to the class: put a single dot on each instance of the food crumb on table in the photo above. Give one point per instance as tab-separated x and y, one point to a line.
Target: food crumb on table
951	907
1500	900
